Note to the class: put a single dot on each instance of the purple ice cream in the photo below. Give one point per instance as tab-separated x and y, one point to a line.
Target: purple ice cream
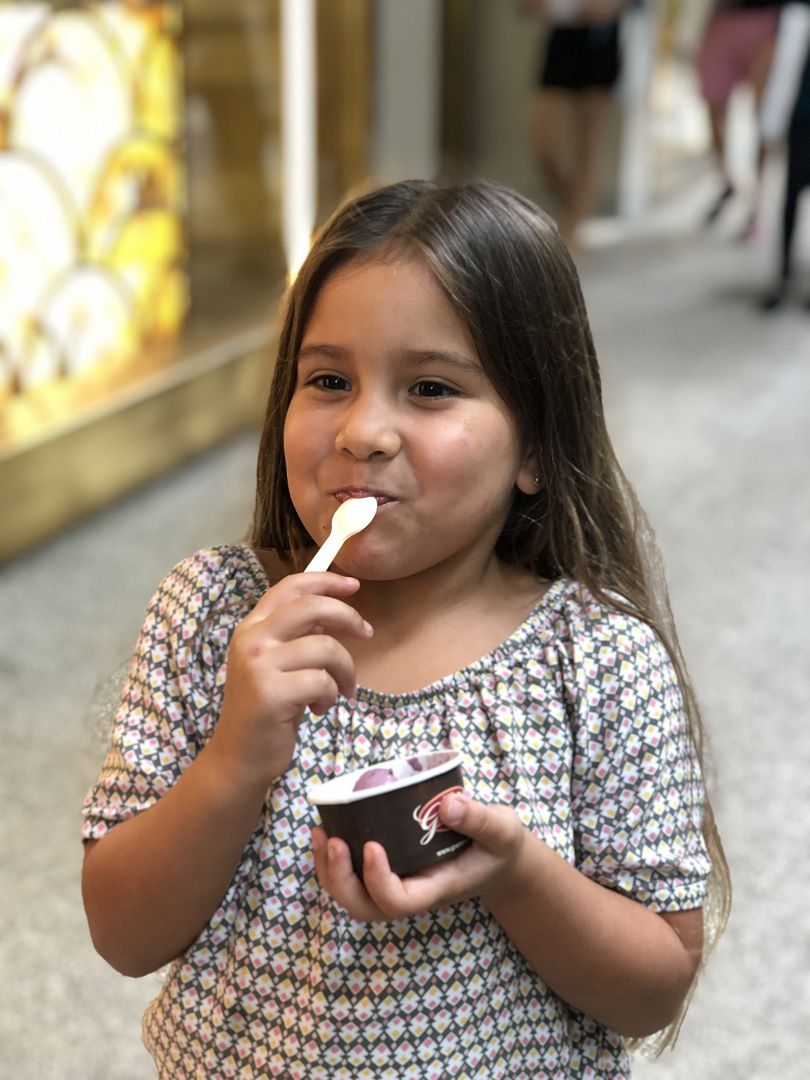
373	778
376	775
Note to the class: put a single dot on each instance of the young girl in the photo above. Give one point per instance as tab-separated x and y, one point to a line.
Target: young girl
435	353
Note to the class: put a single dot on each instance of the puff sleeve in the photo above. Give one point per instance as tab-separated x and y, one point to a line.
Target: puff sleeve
637	792
171	698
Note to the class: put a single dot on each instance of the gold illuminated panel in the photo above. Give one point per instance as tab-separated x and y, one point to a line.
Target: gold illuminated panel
106	231
92	249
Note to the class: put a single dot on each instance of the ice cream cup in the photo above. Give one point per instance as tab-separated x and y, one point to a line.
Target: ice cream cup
400	809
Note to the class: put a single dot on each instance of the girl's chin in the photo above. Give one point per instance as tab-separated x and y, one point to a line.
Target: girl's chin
365	569
371	562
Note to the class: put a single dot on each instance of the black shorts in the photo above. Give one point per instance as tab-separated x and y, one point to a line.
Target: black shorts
581	57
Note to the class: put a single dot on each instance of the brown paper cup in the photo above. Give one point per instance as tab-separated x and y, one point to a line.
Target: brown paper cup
401	814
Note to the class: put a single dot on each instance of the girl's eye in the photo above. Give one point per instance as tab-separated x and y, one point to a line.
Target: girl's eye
430	388
328	382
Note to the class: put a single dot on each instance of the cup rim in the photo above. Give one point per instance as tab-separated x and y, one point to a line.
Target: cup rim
337	791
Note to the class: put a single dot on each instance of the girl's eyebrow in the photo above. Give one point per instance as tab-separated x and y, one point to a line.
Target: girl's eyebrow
420	357
322	349
440	356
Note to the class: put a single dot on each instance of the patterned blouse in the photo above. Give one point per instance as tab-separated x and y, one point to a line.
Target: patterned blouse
576	721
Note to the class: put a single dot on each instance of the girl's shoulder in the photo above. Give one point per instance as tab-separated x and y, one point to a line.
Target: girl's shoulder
571	613
588	629
213	578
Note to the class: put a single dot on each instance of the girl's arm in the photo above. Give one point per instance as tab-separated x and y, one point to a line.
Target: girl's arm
601	952
153	881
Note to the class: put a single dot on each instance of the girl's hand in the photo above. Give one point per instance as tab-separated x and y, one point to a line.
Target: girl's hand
487	868
284	658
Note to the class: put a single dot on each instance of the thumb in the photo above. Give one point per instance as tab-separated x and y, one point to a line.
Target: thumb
453	808
493	827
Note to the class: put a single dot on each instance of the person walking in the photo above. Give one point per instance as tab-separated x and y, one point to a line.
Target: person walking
737	50
797	165
580	64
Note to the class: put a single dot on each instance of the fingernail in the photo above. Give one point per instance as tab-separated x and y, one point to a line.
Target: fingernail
368	628
454	809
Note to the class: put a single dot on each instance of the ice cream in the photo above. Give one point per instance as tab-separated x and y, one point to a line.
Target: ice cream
376	775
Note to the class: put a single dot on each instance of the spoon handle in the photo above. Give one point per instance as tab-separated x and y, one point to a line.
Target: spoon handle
325	555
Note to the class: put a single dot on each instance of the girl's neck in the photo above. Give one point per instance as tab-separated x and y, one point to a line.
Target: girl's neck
435	623
435	591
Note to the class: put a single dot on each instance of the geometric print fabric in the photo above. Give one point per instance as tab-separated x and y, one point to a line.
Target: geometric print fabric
576	721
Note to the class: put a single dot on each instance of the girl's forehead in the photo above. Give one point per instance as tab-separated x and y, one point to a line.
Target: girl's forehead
371	285
389	307
387	260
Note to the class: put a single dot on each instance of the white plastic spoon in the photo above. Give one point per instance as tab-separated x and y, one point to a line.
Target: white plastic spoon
351	517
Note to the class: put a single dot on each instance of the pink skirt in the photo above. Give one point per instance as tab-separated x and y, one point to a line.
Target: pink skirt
735	43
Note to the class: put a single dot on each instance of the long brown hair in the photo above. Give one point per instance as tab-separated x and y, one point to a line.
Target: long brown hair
509	276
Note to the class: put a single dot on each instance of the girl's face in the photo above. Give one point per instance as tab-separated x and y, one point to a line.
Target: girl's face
391	400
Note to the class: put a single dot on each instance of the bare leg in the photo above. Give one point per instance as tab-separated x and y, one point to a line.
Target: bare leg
592	110
749	229
717	124
759	78
548	124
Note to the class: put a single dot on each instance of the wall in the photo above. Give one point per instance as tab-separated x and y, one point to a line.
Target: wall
405	124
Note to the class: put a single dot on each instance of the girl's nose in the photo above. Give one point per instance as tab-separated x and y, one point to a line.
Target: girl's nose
367	428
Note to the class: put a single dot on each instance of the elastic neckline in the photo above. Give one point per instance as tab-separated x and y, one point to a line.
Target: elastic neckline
537	620
538	616
257	566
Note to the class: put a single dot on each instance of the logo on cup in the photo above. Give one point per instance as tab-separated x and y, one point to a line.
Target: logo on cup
427	816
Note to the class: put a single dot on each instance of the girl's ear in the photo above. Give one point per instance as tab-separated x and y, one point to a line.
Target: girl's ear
529	480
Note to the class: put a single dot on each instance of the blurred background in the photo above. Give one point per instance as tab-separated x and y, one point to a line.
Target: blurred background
162	167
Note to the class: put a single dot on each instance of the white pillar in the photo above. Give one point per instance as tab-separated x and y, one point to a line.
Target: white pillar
298	129
407	90
638	28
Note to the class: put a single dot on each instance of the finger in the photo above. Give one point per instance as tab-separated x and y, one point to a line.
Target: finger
306	614
296	585
383	886
319	653
344	886
319	854
313	689
400	897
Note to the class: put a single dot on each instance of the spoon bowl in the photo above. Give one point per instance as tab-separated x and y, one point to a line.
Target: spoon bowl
350	518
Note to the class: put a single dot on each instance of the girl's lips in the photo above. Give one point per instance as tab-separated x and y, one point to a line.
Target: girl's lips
382	497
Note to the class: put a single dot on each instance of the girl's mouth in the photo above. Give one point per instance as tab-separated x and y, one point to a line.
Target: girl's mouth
382	497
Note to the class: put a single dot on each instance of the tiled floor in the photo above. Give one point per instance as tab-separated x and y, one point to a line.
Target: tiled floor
709	404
